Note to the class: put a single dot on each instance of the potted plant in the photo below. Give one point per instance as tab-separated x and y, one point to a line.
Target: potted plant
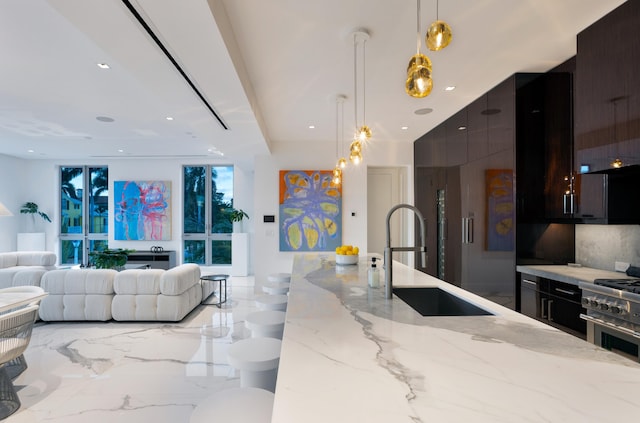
239	243
110	259
237	215
33	209
32	241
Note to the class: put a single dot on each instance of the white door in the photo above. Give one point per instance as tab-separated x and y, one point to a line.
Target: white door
385	188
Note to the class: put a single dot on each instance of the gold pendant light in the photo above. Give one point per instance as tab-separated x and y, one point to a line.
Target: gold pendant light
363	132
419	82
341	162
439	34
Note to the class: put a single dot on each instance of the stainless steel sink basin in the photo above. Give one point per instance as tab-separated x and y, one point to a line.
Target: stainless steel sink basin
437	302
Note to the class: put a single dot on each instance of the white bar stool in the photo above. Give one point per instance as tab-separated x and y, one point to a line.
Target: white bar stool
275	288
279	277
272	302
257	359
267	324
238	405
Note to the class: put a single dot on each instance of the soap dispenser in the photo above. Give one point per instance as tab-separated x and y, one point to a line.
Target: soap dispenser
374	274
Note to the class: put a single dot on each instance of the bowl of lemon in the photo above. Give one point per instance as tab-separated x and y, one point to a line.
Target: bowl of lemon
347	255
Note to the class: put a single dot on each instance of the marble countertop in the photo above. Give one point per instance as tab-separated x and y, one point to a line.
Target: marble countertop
350	355
569	274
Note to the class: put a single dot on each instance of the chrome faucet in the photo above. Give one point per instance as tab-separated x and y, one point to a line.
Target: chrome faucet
420	260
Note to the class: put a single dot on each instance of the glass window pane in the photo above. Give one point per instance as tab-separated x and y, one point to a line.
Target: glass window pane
194	252
221	199
194	199
221	252
71	251
98	200
71	188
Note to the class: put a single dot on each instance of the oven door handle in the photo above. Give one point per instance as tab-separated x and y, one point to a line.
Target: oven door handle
610	325
566	291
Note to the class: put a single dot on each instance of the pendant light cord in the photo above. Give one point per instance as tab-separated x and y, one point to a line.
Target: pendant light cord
337	125
418	27
355	78
342	130
364	83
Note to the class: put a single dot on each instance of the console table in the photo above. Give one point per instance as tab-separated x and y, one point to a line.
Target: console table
162	260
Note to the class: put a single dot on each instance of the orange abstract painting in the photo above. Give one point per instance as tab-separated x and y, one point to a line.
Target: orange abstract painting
500	210
310	208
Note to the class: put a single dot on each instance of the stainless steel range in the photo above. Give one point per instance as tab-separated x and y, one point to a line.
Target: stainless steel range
613	314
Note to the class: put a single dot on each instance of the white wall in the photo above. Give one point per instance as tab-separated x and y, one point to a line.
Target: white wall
256	192
296	156
38	181
13	174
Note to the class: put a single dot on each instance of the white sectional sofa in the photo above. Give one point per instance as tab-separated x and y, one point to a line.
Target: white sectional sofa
104	294
25	268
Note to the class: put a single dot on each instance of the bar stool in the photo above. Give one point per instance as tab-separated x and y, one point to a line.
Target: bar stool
272	302
268	324
257	359
239	405
279	277
275	288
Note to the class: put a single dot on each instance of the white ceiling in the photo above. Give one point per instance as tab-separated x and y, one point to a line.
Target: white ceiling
269	69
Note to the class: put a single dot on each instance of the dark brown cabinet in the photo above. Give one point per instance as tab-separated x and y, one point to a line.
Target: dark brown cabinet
450	191
161	260
607	84
553	302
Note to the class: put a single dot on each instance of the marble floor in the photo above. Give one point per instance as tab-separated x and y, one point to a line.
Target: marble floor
132	372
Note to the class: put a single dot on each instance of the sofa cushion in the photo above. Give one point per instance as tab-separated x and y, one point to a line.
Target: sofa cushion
21	276
168	308
9	259
81	307
36	258
77	294
179	279
79	281
138	282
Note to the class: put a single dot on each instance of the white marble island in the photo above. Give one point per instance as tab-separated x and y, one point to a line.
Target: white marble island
350	355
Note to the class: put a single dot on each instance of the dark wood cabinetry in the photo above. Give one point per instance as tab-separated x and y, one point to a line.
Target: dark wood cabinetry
607	83
450	188
162	260
553	302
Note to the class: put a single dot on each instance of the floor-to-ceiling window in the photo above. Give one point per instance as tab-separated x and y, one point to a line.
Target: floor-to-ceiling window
208	201
84	211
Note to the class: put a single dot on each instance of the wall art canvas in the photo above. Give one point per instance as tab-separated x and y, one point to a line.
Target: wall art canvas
142	210
310	207
500	210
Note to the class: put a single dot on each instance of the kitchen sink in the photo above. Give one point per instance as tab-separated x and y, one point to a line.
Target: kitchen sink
437	302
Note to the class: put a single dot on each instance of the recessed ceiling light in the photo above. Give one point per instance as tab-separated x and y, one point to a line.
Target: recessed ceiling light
461	128
120	150
103	66
169	118
104	119
312	127
450	88
424	111
404	128
30	151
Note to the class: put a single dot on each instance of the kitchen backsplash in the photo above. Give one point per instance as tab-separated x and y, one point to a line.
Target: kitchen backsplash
600	246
